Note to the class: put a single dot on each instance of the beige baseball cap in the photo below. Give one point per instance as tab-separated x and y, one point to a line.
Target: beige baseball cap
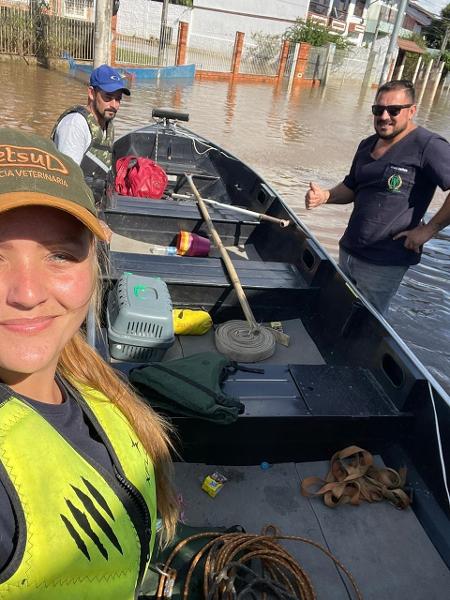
33	172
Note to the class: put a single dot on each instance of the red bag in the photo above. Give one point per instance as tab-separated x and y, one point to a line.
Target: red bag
140	177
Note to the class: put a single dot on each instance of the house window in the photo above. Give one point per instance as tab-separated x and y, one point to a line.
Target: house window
359	8
77	9
319	8
340	8
409	23
389	13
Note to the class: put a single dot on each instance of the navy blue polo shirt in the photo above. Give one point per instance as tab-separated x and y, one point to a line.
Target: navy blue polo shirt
392	193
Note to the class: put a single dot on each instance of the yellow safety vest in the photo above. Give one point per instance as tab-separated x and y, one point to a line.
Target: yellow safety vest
76	536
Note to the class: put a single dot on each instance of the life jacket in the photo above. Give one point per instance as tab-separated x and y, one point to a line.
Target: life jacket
97	159
76	537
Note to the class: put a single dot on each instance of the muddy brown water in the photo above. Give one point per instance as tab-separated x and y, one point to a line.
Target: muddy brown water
290	139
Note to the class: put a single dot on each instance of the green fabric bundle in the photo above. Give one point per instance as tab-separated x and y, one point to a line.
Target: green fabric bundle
190	387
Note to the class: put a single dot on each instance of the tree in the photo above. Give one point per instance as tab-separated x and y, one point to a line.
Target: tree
435	32
446	59
313	33
412	57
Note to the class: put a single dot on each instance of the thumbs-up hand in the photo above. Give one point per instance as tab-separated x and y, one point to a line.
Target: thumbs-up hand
315	196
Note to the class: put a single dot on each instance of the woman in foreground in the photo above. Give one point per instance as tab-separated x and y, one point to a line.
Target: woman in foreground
84	464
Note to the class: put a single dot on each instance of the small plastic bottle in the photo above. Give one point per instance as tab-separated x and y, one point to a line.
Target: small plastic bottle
162	250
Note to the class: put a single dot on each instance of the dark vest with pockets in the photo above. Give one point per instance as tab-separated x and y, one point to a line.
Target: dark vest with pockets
97	159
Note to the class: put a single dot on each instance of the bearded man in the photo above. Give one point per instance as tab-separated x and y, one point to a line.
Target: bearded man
86	133
392	181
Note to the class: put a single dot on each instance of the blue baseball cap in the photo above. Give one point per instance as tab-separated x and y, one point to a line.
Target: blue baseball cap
107	79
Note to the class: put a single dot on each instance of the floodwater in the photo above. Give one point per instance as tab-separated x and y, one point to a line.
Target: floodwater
290	139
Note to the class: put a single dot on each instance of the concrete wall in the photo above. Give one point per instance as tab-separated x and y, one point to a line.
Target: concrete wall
142	18
219	19
222	18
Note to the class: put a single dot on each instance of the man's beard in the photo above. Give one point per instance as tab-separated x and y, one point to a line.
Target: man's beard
108	115
389	136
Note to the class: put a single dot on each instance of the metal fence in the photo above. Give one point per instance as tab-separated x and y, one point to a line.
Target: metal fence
16	32
261	57
134	50
210	53
71	37
27	33
350	63
317	58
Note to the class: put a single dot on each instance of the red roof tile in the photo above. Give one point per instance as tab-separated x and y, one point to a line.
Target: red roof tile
409	46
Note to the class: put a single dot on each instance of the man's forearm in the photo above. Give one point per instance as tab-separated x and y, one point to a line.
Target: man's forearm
340	194
441	219
415	238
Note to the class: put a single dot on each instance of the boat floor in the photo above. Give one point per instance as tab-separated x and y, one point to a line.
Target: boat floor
301	349
386	550
121	243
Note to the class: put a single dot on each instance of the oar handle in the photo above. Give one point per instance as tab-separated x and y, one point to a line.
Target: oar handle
281	222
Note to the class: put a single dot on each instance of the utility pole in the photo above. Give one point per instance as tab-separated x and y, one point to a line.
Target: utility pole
392	42
163	33
102	32
377	28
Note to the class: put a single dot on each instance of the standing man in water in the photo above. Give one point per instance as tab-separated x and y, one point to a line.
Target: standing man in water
86	133
392	181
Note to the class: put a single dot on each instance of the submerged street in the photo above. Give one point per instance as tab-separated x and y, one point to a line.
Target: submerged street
290	139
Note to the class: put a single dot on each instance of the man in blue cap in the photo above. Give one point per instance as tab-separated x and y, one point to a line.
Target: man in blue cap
86	133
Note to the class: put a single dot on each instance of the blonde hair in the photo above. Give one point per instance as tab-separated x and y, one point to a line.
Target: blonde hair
80	363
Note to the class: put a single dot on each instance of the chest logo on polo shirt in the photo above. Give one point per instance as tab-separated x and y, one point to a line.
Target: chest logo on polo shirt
395	182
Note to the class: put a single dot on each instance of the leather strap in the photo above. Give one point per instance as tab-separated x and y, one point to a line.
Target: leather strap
353	478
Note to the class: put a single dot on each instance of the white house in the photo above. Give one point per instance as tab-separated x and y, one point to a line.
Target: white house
360	20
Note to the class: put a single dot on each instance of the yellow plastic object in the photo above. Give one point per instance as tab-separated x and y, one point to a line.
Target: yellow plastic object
191	322
211	486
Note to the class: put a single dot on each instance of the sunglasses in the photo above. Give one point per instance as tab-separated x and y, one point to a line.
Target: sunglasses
392	109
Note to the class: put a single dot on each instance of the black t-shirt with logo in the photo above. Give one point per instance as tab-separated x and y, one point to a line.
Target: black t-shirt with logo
392	193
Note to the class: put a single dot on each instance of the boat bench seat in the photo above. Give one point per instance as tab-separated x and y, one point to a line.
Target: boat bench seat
180	169
169	209
291	407
288	409
209	271
158	221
